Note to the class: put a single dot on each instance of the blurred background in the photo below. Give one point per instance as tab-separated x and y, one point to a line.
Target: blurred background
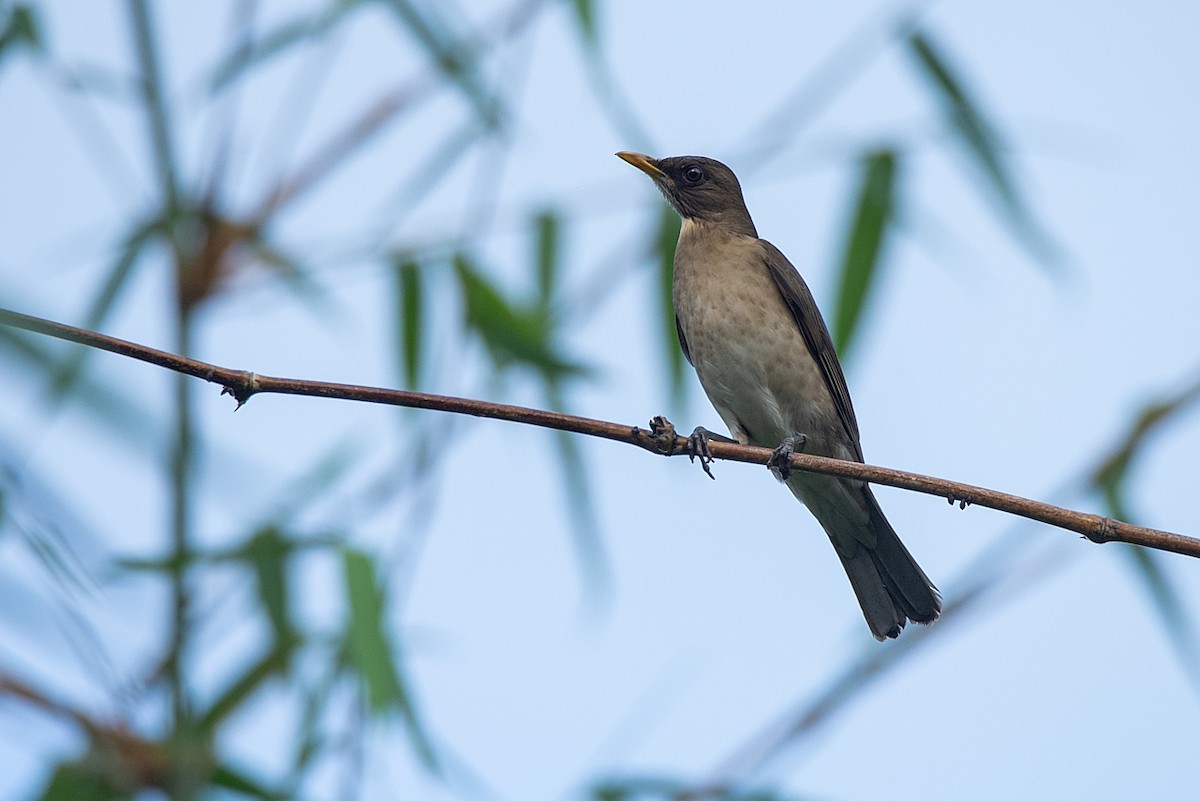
994	203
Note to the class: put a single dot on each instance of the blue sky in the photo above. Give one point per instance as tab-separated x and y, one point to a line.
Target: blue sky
727	605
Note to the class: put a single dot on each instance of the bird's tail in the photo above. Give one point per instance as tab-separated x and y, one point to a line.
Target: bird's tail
890	585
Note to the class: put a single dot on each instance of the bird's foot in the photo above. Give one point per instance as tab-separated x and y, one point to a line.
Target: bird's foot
780	462
662	431
697	447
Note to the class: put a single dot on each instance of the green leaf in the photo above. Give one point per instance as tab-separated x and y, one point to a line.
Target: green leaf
548	227
370	651
63	380
865	235
122	412
81	781
21	29
662	248
456	60
1149	566
512	334
980	141
273	663
585	18
268	551
589	546
409	319
1111	479
234	780
290	33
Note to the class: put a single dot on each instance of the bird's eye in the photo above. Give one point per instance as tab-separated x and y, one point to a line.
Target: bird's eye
693	175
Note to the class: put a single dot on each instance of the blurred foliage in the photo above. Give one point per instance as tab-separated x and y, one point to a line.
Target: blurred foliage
864	248
1112	480
646	788
19	29
347	681
980	141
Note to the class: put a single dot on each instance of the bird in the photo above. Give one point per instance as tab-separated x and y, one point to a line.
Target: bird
750	327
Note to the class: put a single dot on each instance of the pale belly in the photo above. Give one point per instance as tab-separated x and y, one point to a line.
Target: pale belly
753	362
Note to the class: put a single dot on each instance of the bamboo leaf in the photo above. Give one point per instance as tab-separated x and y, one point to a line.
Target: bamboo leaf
1111	479
546	255
1180	627
273	663
80	781
21	29
865	238
589	546
65	377
455	59
981	142
410	319
585	19
371	652
513	334
268	552
282	38
236	781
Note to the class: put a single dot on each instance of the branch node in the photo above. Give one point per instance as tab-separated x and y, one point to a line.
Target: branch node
241	387
1105	530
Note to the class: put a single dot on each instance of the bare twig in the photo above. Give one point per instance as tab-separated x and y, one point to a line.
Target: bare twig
242	385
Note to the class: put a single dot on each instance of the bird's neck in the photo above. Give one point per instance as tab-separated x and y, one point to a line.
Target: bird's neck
731	223
696	231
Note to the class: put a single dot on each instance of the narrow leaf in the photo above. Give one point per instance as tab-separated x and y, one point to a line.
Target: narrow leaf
980	141
863	250
1111	479
589	546
585	18
271	664
275	42
371	652
80	780
546	255
513	334
21	29
410	318
456	60
268	552
63	380
1167	598
230	778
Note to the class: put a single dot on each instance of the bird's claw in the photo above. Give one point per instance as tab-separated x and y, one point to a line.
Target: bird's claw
697	448
662	432
780	462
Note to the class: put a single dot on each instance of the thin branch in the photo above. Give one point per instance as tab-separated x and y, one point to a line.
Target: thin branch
660	439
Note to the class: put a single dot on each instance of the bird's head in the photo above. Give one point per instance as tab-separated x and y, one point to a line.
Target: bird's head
699	188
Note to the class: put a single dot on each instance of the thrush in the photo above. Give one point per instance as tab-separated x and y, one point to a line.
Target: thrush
748	324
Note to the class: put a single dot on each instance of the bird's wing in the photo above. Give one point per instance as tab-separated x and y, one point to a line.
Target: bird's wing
682	340
808	319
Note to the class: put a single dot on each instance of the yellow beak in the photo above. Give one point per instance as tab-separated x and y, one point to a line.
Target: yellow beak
643	163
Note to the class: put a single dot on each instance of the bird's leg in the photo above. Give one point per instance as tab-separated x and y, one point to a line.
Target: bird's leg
698	447
780	462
